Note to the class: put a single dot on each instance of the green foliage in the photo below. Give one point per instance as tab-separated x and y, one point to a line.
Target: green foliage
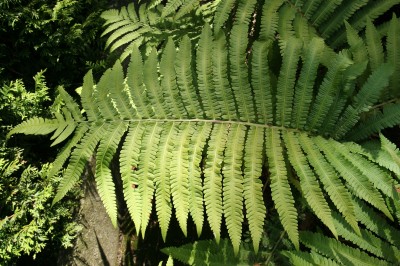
150	23
138	24
199	119
28	224
27	221
57	35
341	254
208	252
17	104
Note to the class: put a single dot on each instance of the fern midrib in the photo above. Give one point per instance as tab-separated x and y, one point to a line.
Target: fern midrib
199	120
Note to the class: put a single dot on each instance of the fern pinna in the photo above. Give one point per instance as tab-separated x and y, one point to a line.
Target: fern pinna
147	23
197	123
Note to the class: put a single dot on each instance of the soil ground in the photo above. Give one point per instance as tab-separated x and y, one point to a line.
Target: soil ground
99	243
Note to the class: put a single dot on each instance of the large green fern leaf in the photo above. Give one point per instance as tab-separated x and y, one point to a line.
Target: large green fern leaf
198	119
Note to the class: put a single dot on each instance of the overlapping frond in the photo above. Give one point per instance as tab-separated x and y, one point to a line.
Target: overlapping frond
280	188
388	117
144	24
308	182
36	126
103	176
125	26
341	253
301	258
367	241
204	252
393	54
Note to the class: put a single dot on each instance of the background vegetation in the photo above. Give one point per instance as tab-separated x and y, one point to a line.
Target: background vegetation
43	44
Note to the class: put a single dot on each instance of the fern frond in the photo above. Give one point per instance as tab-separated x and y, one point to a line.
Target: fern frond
368	95
389	117
128	27
199	110
109	14
133	39
327	91
309	7
261	84
358	21
168	82
338	193
137	91
332	248
116	24
145	172
79	158
61	121
342	13
64	154
239	73
223	93
162	177
388	156
363	188
198	142
103	177
183	67
341	100
280	188
269	19
308	182
252	185
233	184
393	54
302	258
180	174
205	252
373	222
204	71
65	129
374	46
305	84
150	79
357	45
381	180
129	164
366	241
186	8
70	104
286	81
302	29
171	7
244	11
324	11
119	95
287	15
222	13
35	126
118	34
153	3
102	96
91	109
213	179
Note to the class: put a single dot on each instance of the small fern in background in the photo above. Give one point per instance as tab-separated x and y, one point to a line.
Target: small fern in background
255	85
